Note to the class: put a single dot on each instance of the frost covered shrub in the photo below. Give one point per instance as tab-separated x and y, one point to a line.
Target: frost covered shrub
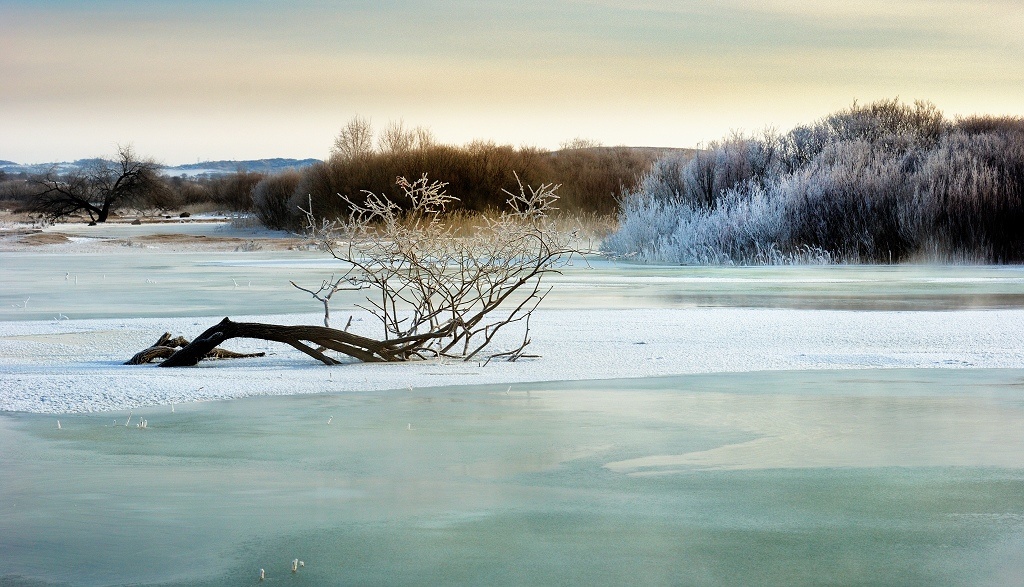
800	146
646	226
847	202
971	193
743	228
664	181
885	182
700	178
888	124
1005	125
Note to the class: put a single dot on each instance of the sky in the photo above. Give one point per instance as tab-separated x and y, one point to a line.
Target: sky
191	80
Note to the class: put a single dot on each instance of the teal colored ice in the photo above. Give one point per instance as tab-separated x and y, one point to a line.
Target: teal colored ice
902	477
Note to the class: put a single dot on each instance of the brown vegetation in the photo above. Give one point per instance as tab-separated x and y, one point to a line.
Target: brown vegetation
43	238
592	178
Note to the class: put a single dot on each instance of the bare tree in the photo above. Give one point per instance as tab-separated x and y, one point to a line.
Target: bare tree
424	137
440	291
579	143
396	138
355	140
98	189
435	293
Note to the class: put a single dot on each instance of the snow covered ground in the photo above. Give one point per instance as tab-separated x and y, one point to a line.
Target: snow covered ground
75	365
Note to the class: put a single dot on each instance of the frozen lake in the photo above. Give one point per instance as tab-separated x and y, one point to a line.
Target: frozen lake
783	478
778	426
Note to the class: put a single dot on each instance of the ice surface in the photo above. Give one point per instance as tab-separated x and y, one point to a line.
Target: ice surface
902	477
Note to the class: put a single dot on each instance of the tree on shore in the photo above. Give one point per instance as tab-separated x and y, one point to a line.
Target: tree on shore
98	189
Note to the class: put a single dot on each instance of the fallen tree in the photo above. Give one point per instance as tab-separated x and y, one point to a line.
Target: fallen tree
436	293
166	346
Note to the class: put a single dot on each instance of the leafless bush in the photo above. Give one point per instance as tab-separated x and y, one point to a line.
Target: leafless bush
16	192
972	125
396	138
354	141
435	293
594	178
234	192
477	174
272	201
191	192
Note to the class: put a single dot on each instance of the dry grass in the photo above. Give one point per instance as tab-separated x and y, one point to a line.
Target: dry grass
43	238
591	227
11	215
219	243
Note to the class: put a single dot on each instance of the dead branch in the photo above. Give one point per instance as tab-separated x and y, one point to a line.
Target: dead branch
425	279
308	339
166	346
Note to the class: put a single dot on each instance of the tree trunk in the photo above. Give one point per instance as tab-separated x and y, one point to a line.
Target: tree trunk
311	340
166	346
359	347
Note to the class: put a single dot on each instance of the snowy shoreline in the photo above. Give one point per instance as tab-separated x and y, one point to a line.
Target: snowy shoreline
75	365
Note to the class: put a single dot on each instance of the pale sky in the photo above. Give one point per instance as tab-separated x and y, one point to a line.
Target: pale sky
230	79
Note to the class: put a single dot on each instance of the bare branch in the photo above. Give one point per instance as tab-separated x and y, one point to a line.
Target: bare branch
434	294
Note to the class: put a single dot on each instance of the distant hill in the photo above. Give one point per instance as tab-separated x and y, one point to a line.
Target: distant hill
204	168
211	168
269	166
13	168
